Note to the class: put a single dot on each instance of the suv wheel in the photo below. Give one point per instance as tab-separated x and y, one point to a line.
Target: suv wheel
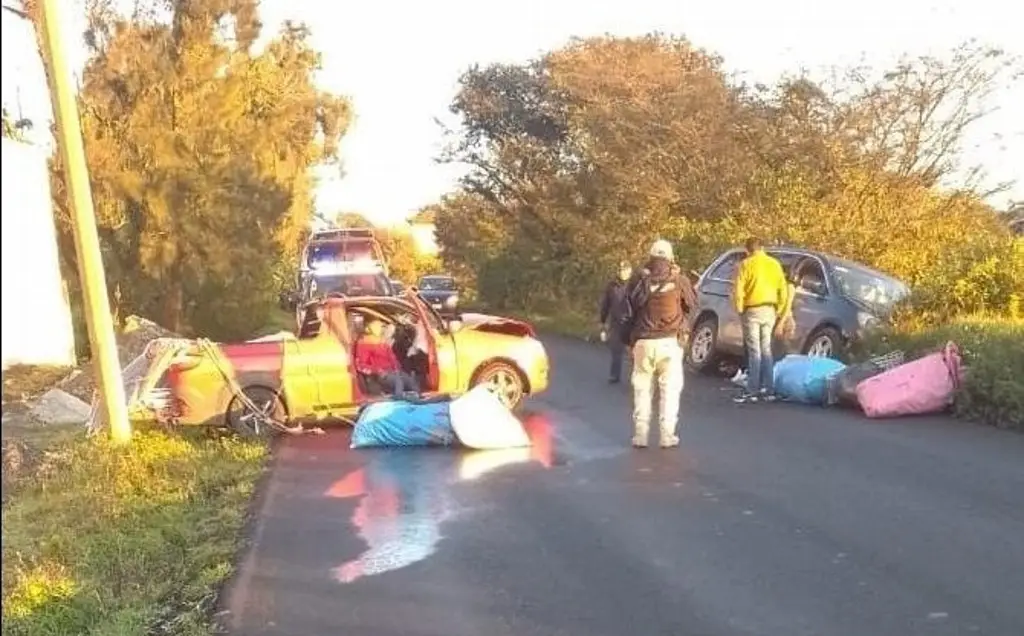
703	349
823	343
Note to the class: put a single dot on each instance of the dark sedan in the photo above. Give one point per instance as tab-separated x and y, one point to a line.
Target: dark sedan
440	291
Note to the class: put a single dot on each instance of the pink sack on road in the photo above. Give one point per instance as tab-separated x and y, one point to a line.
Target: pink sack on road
925	385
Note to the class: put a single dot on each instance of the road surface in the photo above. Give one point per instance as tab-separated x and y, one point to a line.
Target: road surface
770	519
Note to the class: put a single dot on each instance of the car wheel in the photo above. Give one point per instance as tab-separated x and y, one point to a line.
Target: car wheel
246	421
823	343
504	381
703	349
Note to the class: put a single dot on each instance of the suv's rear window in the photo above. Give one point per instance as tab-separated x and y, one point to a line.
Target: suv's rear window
352	285
334	251
726	270
438	283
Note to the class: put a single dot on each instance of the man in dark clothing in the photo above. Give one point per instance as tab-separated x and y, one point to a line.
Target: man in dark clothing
612	304
658	303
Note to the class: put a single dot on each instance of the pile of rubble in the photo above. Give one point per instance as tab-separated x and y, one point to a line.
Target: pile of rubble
67	401
131	342
29	412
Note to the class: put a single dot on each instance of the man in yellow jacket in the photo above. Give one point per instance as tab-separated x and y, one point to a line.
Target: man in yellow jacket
759	296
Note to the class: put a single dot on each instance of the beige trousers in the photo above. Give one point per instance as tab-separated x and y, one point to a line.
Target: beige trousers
657	360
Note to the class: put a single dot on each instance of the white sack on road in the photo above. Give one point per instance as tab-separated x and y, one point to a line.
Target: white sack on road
481	421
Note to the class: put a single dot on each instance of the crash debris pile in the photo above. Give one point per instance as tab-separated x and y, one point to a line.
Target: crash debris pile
882	387
841	387
32	412
131	343
58	408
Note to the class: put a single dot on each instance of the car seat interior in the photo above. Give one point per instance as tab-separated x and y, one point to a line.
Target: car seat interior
401	329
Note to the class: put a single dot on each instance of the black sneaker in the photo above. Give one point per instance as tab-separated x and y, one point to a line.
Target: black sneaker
765	396
745	398
614	380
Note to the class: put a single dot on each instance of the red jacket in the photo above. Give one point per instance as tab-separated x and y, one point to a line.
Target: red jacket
375	358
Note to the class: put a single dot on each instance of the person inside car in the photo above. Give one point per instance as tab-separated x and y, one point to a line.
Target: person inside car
376	361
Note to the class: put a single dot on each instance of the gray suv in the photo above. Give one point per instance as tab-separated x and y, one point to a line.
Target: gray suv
836	302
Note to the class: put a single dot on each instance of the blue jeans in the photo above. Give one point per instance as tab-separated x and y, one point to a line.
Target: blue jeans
401	381
758	325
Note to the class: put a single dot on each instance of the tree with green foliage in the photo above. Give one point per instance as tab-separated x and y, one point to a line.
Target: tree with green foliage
580	158
200	149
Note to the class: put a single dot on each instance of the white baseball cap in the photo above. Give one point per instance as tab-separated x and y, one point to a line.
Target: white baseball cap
662	249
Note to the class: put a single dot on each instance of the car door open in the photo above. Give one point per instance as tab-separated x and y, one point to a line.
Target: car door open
328	356
441	345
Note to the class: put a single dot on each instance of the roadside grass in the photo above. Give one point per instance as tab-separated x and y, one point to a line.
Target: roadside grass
566	323
110	541
280	320
993	352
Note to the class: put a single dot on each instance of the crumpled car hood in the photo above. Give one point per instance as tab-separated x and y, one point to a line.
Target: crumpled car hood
497	324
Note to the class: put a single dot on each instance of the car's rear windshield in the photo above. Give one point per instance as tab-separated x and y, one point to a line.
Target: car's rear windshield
437	283
333	251
869	286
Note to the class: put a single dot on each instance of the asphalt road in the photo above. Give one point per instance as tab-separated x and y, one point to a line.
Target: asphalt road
770	519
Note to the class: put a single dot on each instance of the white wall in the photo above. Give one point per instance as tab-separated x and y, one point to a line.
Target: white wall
25	93
36	326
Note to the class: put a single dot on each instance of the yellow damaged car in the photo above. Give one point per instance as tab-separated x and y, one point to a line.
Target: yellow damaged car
309	376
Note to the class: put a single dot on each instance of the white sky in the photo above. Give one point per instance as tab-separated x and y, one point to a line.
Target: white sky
399	62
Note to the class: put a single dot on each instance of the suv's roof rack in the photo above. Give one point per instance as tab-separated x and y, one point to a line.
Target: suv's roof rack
348	239
334	234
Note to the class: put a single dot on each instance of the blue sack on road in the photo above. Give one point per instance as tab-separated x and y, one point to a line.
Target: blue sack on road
400	423
803	378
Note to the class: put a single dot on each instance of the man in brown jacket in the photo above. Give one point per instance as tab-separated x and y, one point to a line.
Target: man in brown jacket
658	303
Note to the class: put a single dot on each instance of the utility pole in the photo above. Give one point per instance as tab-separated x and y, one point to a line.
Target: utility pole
83	218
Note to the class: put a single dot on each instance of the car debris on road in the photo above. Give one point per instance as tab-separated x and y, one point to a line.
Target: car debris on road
881	387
